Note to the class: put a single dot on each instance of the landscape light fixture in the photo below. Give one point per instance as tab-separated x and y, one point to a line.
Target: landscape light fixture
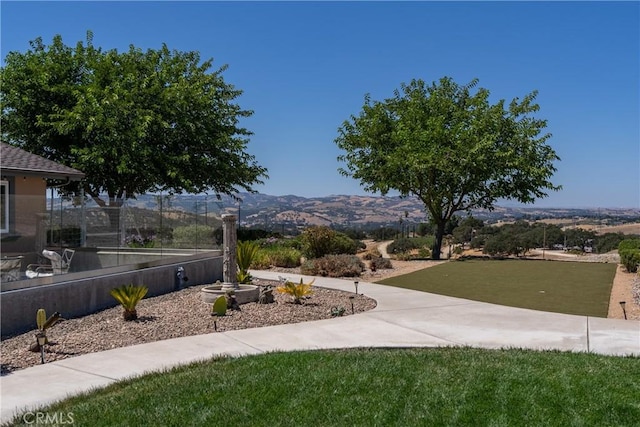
42	339
215	324
351	299
355	282
622	304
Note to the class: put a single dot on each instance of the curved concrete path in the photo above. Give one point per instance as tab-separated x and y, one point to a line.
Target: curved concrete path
402	318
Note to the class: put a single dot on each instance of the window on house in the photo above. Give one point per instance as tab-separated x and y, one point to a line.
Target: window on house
4	206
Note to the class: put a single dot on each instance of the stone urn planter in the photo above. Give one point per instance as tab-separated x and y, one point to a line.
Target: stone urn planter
243	293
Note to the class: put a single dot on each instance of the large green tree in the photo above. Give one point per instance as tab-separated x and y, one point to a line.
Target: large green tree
133	121
451	148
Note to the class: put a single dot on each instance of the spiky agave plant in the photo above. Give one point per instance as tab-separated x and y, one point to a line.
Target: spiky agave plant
245	254
129	296
296	290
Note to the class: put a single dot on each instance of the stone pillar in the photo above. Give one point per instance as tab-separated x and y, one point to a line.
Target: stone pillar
229	242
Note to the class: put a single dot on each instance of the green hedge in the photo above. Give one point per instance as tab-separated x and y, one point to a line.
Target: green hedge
629	250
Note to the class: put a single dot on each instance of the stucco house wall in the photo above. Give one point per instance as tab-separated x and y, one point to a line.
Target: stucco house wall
26	176
26	204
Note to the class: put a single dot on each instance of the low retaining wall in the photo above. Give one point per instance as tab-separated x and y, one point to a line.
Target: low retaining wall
104	257
82	293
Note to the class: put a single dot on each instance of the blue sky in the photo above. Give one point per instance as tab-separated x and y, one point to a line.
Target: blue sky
305	67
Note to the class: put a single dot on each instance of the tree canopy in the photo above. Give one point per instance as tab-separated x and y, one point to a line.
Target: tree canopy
449	147
133	122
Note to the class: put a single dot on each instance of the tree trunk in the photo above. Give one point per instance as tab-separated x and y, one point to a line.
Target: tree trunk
437	246
113	211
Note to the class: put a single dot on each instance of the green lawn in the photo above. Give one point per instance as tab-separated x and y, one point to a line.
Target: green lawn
563	287
384	387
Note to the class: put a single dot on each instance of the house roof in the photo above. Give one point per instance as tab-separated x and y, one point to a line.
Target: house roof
16	161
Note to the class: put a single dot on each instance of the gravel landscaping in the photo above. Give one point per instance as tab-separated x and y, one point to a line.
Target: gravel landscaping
173	315
183	313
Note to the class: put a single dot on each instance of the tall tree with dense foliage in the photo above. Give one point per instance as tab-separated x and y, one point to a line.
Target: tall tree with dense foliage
449	147
134	121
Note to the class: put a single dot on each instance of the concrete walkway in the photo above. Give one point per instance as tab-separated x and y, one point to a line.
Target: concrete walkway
402	318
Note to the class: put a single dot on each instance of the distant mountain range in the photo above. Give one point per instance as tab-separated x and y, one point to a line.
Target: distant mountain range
265	211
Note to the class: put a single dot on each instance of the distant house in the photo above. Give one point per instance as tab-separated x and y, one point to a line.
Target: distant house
23	185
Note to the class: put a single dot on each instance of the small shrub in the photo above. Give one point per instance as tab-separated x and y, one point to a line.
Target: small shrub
276	256
285	257
334	266
244	277
343	244
629	250
404	256
630	258
261	261
371	254
337	311
424	253
296	290
245	254
129	296
319	241
316	241
380	263
308	267
295	243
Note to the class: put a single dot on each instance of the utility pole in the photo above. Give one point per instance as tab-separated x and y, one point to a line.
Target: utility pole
544	239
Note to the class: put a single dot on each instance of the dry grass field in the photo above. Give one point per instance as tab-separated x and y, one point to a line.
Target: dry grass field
632	228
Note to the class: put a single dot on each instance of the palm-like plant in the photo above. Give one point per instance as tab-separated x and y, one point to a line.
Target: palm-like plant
296	290
129	296
245	254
